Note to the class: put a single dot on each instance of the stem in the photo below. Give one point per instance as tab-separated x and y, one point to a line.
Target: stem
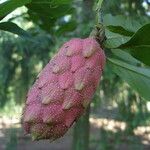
98	10
99	31
81	132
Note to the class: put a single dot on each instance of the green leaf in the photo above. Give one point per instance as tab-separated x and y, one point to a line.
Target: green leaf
52	2
139	44
127	23
10	5
49	11
13	28
119	30
141	37
69	26
114	40
60	2
142	53
124	56
137	77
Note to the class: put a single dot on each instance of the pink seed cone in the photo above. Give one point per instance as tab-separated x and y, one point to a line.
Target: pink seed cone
63	89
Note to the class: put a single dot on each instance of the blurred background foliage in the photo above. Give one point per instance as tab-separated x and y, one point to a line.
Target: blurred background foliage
48	26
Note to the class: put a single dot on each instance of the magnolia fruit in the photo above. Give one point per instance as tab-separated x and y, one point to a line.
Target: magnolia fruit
63	89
